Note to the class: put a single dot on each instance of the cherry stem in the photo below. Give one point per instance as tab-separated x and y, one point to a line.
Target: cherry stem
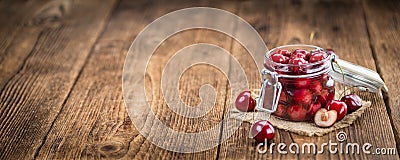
312	34
344	83
344	91
254	95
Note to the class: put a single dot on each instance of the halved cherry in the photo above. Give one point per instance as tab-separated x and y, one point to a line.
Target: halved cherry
262	131
325	118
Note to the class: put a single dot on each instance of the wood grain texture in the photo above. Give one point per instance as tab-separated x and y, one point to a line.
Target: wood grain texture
97	100
190	83
382	19
16	35
336	25
34	94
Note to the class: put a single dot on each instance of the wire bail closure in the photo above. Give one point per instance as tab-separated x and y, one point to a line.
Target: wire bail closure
269	79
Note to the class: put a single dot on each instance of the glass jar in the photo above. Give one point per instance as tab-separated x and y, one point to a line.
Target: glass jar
296	91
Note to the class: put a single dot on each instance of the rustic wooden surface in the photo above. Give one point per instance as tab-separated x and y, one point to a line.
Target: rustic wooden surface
61	65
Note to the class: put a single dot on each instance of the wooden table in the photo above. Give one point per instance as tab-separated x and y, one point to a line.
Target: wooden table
61	65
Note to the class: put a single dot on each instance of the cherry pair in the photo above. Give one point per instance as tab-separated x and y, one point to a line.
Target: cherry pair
337	110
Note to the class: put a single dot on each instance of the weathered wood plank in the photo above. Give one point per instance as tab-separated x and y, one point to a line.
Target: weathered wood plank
94	123
97	97
12	20
37	87
337	25
191	81
382	18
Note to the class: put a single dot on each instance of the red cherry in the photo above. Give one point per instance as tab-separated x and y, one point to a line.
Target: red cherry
311	54
317	57
284	52
279	58
316	87
327	95
321	100
302	83
297	113
298	55
276	52
262	131
301	53
280	110
302	96
297	61
340	107
314	108
282	97
352	101
244	102
330	96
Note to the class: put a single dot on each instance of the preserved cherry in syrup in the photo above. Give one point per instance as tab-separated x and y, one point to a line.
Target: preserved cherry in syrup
306	85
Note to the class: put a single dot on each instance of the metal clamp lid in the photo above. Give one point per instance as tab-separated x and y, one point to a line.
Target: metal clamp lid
355	75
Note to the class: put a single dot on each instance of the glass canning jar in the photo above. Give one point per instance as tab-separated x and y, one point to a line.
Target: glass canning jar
296	91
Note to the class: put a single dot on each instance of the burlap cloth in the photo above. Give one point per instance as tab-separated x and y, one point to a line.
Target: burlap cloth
301	128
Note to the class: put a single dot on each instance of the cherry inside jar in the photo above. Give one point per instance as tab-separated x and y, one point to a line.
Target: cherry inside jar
303	71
